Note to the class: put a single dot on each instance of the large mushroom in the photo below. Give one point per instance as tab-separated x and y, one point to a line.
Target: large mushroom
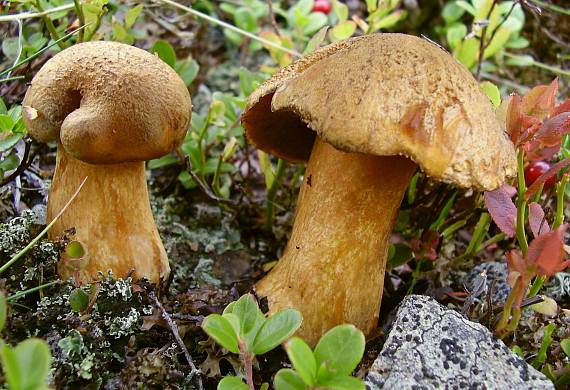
365	113
110	107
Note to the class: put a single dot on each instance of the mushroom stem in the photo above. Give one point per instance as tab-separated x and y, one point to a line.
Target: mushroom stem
333	267
111	216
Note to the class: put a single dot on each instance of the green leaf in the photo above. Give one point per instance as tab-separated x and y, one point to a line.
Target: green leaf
232	383
492	92
3	109
287	379
221	331
276	329
9	163
234	321
517	42
6	123
229	308
520	60
516	349
132	15
165	52
564	344
248	312
340	349
3	310
303	360
27	365
389	20
498	42
302	7
163	161
452	12
10	47
546	341
342	383
248	81
466	6
455	34
399	254
342	30
467	52
371	5
316	21
245	20
78	300
120	34
187	70
340	10
316	40
11	367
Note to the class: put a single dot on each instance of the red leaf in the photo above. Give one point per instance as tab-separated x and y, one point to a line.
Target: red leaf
547	252
540	101
502	210
552	130
514	117
538	223
510	190
517	266
535	152
562	107
545	176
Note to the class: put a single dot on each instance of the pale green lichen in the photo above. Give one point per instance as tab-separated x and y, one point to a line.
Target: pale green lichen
123	326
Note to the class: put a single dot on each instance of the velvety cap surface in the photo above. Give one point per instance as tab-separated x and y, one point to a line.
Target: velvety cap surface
385	94
108	102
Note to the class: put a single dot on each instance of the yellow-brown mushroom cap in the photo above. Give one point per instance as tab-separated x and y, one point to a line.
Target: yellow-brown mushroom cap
108	103
385	94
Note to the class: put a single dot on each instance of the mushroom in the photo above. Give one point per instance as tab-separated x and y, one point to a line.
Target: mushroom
110	107
365	113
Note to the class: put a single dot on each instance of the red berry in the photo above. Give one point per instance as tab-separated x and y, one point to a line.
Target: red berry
322	6
533	172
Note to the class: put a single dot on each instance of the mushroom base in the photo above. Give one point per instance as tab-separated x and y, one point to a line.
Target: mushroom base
333	267
111	216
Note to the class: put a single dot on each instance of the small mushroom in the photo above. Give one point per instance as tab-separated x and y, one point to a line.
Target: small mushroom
110	107
365	113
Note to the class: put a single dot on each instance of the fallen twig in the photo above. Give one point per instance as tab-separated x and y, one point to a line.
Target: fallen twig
174	328
207	190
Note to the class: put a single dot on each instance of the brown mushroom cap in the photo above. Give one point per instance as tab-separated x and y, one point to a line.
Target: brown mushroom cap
108	103
385	94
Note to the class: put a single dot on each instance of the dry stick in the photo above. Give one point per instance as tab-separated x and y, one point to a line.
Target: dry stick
272	18
174	328
482	40
503	20
204	186
31	15
43	232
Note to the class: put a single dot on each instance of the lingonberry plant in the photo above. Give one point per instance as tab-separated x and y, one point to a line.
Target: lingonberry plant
243	329
537	126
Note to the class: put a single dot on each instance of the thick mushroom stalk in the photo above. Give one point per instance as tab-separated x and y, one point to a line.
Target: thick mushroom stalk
109	107
333	267
388	95
111	215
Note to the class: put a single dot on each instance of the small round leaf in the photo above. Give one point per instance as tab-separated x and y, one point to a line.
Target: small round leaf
340	349
222	331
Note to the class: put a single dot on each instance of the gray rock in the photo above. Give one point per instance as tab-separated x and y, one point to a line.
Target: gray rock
432	347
